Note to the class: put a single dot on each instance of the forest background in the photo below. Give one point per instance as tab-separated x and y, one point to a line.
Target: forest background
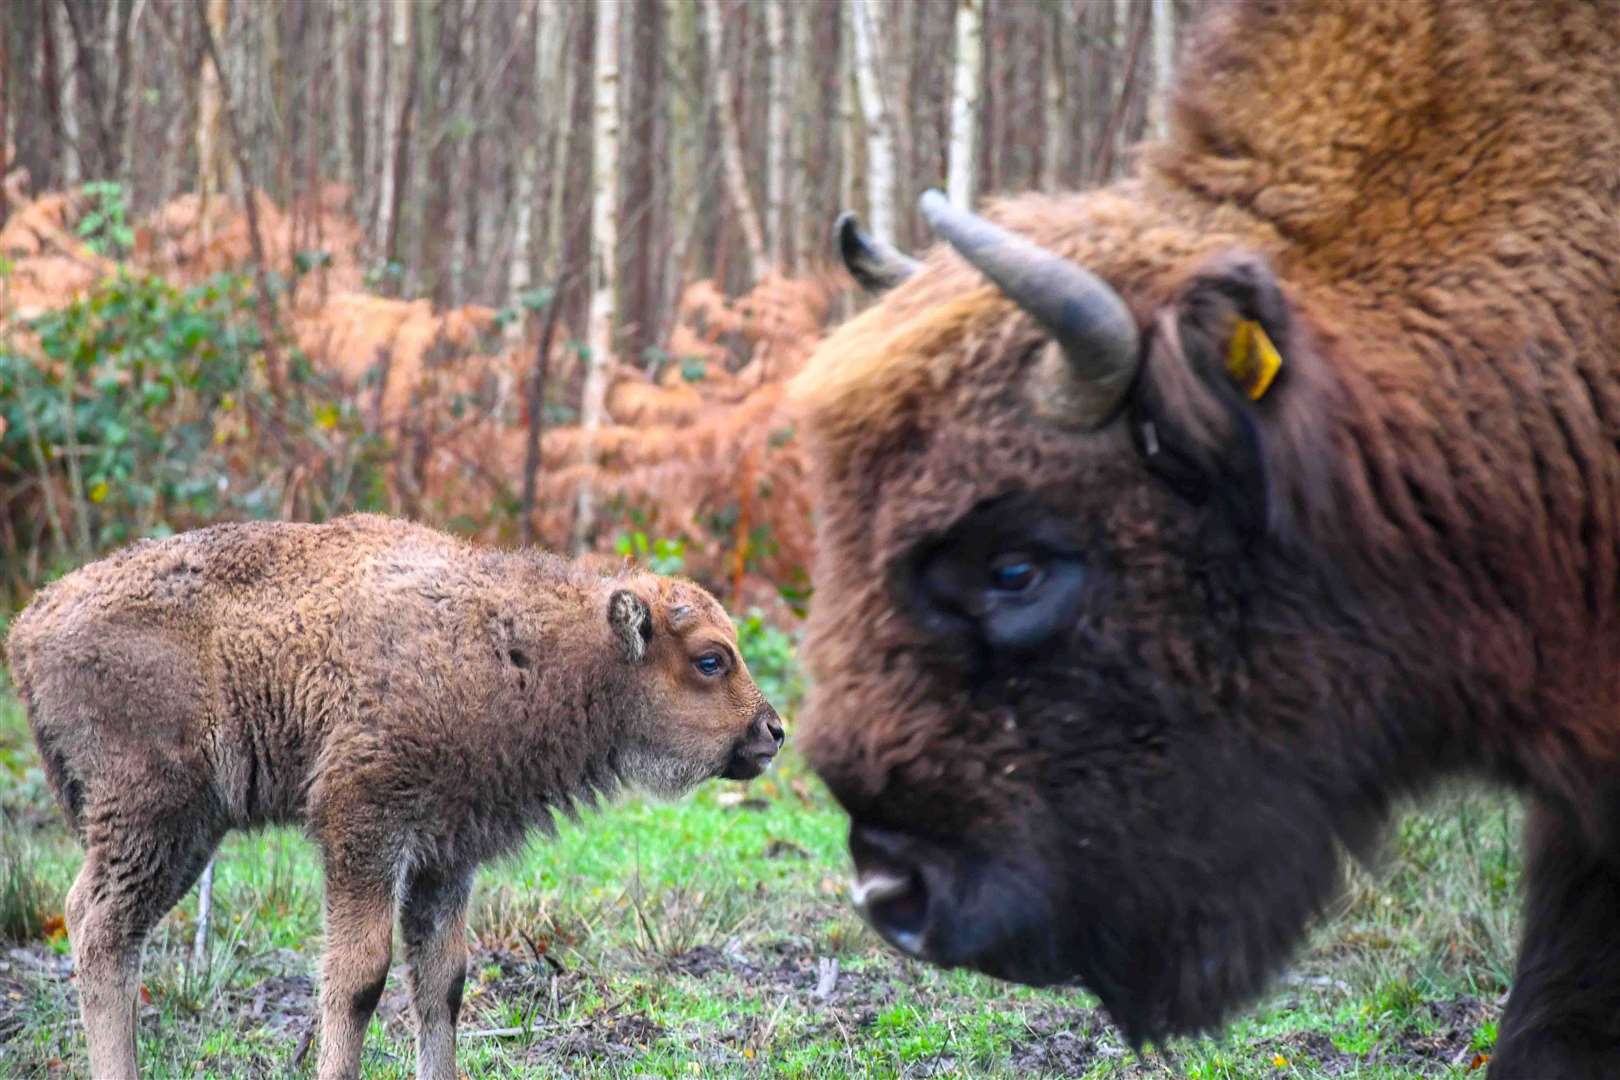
533	269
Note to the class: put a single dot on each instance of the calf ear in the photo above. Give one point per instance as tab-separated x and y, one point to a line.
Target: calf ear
1221	360
631	620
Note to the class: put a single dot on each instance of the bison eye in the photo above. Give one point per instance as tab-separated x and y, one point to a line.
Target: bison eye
1013	572
709	664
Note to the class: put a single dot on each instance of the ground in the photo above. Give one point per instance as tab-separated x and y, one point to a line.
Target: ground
713	937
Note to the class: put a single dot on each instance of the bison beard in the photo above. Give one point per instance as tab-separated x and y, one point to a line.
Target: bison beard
1117	647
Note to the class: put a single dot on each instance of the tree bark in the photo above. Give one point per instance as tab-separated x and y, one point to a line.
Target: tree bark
1055	146
373	107
1164	54
342	30
60	57
849	150
5	115
78	19
128	11
209	95
392	158
731	142
880	160
403	60
519	266
1110	144
644	196
966	75
604	244
266	306
779	25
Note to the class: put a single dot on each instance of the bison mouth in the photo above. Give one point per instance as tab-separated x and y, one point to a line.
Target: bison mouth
957	909
1003	914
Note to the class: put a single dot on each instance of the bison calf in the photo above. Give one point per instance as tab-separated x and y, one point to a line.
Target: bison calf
416	702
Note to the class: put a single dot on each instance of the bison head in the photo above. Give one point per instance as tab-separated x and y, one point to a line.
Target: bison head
1095	710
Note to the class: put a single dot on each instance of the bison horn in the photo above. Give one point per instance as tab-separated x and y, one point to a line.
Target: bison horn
1083	313
875	264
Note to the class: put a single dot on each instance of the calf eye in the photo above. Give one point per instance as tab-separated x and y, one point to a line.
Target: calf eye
709	664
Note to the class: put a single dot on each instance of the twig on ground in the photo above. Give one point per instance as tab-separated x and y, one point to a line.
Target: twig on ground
827	980
205	903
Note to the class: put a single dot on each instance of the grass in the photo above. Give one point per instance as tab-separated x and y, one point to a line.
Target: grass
692	939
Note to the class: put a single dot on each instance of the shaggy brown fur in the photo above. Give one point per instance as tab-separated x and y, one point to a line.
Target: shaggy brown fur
417	702
1247	626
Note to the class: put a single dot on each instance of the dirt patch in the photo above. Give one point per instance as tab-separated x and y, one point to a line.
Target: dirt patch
1064	1042
279	1003
1446	1041
602	1037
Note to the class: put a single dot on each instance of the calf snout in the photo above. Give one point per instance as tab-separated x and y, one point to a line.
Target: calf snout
754	751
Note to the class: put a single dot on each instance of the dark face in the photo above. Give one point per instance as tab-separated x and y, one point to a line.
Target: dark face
1072	713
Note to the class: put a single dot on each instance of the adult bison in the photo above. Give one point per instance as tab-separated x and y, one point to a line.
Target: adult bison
1170	531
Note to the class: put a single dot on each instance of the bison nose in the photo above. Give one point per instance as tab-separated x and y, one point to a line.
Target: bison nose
889	890
773	726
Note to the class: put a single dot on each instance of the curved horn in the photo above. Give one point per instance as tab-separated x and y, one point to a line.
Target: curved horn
1082	312
876	265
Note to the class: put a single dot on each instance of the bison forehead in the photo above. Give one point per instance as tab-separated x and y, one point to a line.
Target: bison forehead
948	334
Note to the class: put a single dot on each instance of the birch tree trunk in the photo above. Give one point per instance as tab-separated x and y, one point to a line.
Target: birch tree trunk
209	103
604	244
375	51
559	141
519	269
1164	55
879	126
849	150
966	76
1124	20
778	28
688	106
731	144
68	89
343	61
395	92
1055	151
133	75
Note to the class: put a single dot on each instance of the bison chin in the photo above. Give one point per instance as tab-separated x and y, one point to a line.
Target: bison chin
1170	939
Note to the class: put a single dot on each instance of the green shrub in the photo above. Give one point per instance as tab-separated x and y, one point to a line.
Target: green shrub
105	226
149	413
661	556
25	900
132	406
773	658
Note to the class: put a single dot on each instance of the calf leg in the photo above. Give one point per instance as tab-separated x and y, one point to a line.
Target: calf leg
434	925
359	943
132	876
1563	1015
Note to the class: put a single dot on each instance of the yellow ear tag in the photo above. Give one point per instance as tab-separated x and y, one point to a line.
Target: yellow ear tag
1252	359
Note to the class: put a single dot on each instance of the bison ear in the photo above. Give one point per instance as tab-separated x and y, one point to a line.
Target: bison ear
1219	363
631	620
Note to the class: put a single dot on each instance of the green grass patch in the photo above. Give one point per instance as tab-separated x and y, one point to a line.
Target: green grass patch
698	938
